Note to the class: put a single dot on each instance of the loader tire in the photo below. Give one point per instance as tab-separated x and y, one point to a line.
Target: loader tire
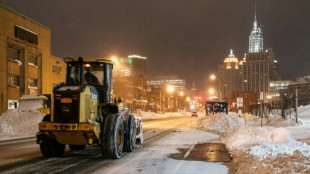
115	136
77	147
51	148
130	136
103	136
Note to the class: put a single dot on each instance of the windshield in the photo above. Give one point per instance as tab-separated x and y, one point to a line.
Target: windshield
73	74
93	73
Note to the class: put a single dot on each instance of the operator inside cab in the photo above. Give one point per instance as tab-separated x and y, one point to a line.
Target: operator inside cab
90	78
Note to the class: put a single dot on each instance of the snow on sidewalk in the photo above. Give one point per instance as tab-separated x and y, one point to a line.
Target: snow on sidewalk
258	149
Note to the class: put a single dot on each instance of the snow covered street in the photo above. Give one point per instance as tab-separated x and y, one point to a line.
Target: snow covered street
279	146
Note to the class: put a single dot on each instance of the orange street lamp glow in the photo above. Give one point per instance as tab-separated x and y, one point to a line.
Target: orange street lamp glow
170	88
211	91
114	59
269	97
212	77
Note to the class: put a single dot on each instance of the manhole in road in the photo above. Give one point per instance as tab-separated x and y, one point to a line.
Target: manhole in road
210	152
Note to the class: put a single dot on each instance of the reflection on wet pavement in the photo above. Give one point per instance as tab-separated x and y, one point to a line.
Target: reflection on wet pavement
209	152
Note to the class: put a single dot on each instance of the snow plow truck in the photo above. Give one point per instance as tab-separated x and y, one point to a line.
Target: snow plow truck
83	113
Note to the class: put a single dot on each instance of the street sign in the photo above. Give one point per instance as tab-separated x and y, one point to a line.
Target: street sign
239	102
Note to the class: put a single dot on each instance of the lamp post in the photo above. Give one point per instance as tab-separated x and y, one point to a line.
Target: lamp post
213	77
269	97
169	89
187	99
181	98
211	91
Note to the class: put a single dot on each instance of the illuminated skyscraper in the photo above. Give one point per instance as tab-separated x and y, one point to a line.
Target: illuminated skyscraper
229	76
259	67
256	39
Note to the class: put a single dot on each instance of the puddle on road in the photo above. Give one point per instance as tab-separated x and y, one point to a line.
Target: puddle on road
209	152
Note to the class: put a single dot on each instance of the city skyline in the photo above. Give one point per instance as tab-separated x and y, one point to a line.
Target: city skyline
178	37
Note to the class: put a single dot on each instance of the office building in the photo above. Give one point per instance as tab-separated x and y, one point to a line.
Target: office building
259	66
229	76
27	66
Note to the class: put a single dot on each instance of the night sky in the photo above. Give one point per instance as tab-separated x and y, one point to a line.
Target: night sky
179	37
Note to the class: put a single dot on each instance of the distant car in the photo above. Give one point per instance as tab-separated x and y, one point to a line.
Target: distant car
194	114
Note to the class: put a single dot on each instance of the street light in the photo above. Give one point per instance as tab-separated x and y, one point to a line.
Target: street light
181	93
213	77
211	91
188	99
269	97
114	59
169	89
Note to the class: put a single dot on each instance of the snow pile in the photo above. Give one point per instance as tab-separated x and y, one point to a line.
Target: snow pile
219	123
302	109
227	123
267	150
152	115
22	121
18	123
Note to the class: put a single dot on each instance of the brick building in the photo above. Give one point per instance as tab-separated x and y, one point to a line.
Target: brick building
249	98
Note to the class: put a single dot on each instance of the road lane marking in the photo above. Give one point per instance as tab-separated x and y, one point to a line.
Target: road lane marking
189	151
19	159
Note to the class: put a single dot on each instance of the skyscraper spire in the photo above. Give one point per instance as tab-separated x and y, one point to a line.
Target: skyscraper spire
231	54
256	37
255	21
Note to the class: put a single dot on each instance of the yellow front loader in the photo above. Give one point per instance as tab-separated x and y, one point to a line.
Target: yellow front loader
83	113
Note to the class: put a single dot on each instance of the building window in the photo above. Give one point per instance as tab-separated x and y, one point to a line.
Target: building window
32	82
34	56
26	35
32	60
56	69
13	80
15	52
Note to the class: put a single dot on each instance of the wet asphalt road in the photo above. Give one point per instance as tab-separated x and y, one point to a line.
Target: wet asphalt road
23	156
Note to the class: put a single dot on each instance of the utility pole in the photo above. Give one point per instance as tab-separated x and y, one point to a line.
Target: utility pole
160	101
296	105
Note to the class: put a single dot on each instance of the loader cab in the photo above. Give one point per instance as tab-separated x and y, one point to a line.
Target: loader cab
74	73
94	72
